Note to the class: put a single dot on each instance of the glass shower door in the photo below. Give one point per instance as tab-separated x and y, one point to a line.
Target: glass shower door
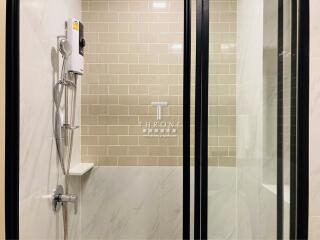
250	114
132	119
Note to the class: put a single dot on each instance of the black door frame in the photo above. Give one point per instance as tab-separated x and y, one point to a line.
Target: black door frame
186	119
12	120
12	108
201	121
302	142
280	123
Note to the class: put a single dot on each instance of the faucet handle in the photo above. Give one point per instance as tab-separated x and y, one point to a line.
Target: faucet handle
59	198
73	198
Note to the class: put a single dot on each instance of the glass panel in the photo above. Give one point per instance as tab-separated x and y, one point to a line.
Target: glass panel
137	82
222	205
243	105
287	114
129	108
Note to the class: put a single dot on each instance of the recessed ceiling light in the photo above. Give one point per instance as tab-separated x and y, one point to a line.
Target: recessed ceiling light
176	46
159	4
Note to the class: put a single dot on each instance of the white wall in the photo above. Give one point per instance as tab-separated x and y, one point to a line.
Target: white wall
314	114
41	22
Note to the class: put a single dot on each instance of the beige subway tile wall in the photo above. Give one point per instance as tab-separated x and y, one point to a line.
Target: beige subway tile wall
134	58
222	82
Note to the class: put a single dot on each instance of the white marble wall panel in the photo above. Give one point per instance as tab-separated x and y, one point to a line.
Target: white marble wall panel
41	21
248	206
314	163
222	203
314	228
268	214
132	203
146	203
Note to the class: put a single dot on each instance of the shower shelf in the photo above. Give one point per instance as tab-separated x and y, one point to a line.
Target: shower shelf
286	191
80	169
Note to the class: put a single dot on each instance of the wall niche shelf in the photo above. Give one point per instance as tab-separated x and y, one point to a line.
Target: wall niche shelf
80	169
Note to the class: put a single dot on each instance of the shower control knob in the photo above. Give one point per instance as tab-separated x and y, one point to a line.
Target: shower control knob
59	199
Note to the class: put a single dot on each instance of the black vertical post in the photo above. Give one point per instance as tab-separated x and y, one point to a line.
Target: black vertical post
280	124
201	121
293	123
303	121
12	121
186	119
204	122
198	117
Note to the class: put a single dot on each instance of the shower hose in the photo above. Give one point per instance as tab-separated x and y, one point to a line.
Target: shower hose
65	94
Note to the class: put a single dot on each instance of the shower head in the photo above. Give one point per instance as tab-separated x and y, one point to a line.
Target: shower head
64	48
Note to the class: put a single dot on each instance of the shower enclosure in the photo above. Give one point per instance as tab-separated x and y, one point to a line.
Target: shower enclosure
191	119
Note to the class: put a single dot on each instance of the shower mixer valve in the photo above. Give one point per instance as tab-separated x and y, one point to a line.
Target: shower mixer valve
59	199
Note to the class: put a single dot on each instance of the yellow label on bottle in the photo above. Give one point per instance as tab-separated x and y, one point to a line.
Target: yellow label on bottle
76	26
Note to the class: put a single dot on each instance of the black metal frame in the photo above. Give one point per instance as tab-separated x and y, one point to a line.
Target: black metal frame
300	144
197	134
280	124
293	122
201	121
186	119
302	169
204	120
12	121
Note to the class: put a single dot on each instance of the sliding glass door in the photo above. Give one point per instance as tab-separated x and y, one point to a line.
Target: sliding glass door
245	119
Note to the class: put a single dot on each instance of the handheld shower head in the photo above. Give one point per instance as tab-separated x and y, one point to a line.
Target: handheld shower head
65	48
